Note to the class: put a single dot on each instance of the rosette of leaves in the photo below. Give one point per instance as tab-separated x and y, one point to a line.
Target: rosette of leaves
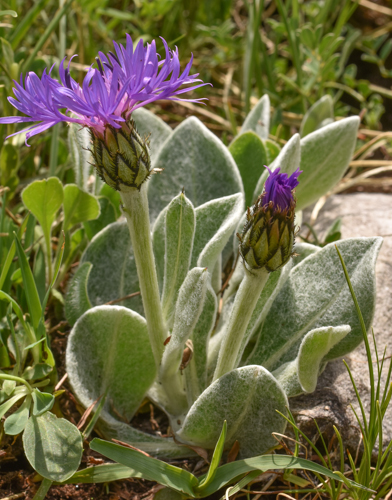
303	318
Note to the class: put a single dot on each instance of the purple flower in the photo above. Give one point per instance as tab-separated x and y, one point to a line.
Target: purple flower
124	81
279	188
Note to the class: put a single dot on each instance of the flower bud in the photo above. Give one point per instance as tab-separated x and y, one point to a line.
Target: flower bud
121	157
267	239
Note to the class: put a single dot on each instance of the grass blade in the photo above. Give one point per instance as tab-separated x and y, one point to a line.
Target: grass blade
150	468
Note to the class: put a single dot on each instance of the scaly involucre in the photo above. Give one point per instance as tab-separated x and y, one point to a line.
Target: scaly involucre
124	81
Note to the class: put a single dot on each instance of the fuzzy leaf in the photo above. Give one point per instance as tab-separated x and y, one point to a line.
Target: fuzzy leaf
325	156
313	348
303	250
188	309
194	159
158	244
150	125
247	398
109	350
316	295
250	156
258	119
77	301
215	223
317	116
53	446
179	232
196	372
301	374
113	274
79	206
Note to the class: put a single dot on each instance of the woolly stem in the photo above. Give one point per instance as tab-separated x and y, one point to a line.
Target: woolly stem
247	296
136	211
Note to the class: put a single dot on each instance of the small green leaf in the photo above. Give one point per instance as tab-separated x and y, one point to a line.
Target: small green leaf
8	387
79	206
42	402
77	301
43	199
16	422
10	403
38	371
107	216
53	446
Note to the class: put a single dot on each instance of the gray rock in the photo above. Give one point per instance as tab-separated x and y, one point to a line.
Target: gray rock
362	214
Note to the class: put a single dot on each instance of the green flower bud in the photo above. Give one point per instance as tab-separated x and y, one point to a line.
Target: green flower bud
267	239
121	157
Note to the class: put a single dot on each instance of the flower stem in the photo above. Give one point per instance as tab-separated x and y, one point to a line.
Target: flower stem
245	302
136	211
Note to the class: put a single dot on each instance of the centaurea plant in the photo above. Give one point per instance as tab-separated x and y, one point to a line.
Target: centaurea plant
203	352
124	81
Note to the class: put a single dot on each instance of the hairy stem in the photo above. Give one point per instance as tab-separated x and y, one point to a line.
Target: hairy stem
248	293
136	211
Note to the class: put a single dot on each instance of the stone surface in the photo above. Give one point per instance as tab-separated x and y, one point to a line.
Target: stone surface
363	214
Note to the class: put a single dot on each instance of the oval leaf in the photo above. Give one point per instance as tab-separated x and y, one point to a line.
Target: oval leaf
109	352
194	159
247	398
325	156
316	295
43	199
113	274
53	446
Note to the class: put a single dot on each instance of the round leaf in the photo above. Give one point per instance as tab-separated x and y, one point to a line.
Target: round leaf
247	398
109	352
43	199
53	446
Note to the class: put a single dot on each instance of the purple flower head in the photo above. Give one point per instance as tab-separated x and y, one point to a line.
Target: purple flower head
279	188
125	80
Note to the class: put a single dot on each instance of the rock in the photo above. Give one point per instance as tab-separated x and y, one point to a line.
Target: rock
363	214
